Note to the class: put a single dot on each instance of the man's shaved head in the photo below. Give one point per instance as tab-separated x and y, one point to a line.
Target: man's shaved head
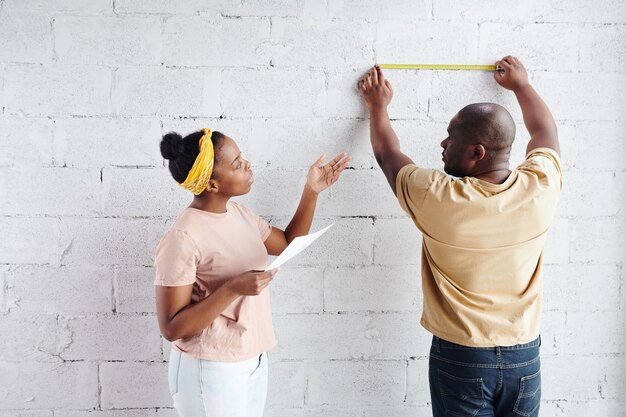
486	123
479	140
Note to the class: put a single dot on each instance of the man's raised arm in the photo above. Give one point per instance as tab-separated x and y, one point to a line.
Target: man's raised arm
537	116
377	93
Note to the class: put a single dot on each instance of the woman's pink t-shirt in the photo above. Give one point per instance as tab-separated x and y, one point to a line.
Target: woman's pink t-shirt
206	249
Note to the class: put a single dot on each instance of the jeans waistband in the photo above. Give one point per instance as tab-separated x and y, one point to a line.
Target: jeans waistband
444	344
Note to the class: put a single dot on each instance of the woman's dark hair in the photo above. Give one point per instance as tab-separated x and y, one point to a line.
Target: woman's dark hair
182	152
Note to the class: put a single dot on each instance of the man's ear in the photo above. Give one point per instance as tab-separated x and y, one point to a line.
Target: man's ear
478	152
213	186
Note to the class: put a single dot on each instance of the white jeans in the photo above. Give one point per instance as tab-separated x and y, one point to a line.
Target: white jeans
202	388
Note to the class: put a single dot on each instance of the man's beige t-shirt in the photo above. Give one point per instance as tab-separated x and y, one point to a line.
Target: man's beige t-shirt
482	249
206	249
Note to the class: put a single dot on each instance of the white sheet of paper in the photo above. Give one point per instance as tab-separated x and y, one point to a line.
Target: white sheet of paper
296	246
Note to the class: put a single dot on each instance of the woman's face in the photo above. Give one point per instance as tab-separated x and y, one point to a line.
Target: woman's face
232	173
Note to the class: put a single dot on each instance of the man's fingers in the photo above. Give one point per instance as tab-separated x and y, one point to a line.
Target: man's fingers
509	59
374	74
499	68
379	74
504	64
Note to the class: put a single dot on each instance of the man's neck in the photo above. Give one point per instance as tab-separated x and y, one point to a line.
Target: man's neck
494	176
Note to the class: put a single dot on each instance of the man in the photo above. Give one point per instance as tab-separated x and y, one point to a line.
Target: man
482	250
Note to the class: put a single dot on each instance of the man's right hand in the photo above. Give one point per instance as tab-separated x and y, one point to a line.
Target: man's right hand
514	75
375	89
251	282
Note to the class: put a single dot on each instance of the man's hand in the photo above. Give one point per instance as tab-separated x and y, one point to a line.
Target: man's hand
375	89
514	75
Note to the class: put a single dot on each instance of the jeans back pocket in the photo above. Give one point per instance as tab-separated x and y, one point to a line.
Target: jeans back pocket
461	397
529	395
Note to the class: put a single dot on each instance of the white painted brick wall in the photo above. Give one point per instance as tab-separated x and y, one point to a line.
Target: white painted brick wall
94	7
168	7
408	42
380	288
30	240
516	11
321	43
166	91
108	41
133	144
370	9
43	191
25	37
133	289
350	383
246	36
545	47
35	134
88	88
272	93
601	48
36	338
49	385
35	289
109	241
580	11
56	90
287	290
597	95
98	338
134	385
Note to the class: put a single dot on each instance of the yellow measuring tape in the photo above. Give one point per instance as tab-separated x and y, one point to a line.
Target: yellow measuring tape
439	67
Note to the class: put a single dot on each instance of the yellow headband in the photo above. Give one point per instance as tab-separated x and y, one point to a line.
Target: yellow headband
202	168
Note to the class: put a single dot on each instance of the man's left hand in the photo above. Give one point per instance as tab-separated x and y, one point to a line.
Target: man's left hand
375	89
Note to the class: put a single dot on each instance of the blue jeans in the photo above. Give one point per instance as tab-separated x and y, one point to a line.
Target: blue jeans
497	382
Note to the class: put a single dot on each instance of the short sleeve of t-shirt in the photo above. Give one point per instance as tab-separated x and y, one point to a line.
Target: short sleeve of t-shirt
546	165
412	185
176	260
264	227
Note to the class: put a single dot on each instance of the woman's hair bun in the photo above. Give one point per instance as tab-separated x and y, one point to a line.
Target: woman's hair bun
172	145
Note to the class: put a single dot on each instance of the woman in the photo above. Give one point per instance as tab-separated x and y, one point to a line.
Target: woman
211	295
